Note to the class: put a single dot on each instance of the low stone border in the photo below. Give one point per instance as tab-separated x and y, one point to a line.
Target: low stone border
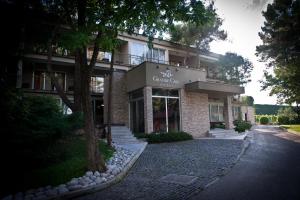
90	182
289	131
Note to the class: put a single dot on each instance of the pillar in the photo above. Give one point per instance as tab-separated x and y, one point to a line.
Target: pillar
148	111
228	113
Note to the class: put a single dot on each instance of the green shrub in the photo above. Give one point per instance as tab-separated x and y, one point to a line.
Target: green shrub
242	126
140	135
168	137
283	120
264	120
217	125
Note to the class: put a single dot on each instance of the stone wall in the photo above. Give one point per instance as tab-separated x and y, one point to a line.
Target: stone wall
194	113
250	111
119	99
148	111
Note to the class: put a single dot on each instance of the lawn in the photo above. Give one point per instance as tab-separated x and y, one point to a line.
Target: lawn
295	128
73	165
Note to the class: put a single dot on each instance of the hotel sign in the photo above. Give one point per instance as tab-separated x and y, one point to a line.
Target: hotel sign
165	78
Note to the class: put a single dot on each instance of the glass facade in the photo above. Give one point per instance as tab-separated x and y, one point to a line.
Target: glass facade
97	84
216	112
166	113
140	53
42	80
136	103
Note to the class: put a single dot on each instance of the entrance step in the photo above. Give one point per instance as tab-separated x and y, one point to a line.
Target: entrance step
122	135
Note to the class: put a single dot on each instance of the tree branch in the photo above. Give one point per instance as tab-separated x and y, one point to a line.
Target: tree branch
59	90
95	50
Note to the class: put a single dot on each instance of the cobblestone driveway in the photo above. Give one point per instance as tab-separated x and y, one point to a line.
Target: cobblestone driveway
204	159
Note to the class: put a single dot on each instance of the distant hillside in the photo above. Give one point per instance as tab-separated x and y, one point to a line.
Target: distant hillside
265	109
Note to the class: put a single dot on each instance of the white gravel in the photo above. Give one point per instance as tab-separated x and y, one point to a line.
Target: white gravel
114	166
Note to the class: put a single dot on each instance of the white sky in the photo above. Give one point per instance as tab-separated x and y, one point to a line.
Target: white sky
242	21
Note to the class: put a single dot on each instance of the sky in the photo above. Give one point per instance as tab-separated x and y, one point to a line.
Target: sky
243	21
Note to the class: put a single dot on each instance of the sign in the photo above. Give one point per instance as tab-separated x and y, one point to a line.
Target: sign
165	78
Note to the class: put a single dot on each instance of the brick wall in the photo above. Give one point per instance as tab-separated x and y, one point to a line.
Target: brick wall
194	113
119	99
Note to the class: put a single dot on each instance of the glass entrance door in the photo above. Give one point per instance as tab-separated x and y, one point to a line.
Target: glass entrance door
166	117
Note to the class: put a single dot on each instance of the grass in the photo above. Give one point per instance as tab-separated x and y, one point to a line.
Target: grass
292	127
73	166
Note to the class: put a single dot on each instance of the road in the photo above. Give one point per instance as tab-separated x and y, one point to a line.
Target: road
269	169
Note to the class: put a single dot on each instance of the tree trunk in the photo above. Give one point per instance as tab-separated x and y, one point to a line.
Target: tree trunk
95	159
110	77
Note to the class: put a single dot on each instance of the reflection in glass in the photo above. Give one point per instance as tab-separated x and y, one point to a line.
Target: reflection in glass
173	115
159	115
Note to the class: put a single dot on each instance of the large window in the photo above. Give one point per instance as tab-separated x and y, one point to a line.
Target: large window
42	80
137	122
236	112
97	84
216	112
140	53
166	113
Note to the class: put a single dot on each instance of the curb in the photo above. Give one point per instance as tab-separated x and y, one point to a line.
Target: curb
289	131
111	182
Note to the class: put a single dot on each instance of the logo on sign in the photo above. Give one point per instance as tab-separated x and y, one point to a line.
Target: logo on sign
166	79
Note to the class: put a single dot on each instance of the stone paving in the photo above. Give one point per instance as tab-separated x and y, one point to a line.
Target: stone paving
204	159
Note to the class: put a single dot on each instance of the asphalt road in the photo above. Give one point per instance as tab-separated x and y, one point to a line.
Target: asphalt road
269	169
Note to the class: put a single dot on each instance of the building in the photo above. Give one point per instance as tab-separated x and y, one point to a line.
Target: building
169	87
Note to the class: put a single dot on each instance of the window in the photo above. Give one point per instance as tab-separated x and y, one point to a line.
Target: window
42	80
138	52
97	84
156	55
216	113
236	112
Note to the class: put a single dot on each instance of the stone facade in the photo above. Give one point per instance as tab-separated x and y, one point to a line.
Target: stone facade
250	111
119	101
194	113
228	118
148	111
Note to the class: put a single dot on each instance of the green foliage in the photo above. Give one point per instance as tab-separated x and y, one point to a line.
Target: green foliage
248	100
235	69
74	164
168	137
283	119
217	125
265	109
242	126
140	135
280	49
200	35
264	120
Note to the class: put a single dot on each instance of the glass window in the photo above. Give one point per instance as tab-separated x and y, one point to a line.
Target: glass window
162	92
97	84
138	52
216	113
42	80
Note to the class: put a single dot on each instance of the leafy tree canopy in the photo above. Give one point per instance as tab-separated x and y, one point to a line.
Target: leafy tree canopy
281	50
199	35
248	100
235	69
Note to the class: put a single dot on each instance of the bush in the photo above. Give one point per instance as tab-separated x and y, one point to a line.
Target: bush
217	125
264	120
168	137
283	120
140	135
242	126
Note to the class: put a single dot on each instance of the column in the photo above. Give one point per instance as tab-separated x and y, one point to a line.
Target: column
148	111
228	113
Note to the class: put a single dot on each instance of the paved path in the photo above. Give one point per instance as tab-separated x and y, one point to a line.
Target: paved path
200	160
270	169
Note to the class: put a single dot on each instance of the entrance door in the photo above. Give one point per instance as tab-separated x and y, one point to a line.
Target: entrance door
166	116
137	116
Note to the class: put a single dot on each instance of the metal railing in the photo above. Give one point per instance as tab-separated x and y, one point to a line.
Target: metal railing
119	58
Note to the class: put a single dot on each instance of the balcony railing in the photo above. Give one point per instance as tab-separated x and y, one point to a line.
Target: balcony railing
119	58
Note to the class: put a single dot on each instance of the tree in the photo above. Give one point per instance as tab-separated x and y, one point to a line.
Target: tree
281	51
86	23
248	100
199	35
235	69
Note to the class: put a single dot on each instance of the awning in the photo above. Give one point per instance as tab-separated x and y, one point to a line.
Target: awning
205	87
